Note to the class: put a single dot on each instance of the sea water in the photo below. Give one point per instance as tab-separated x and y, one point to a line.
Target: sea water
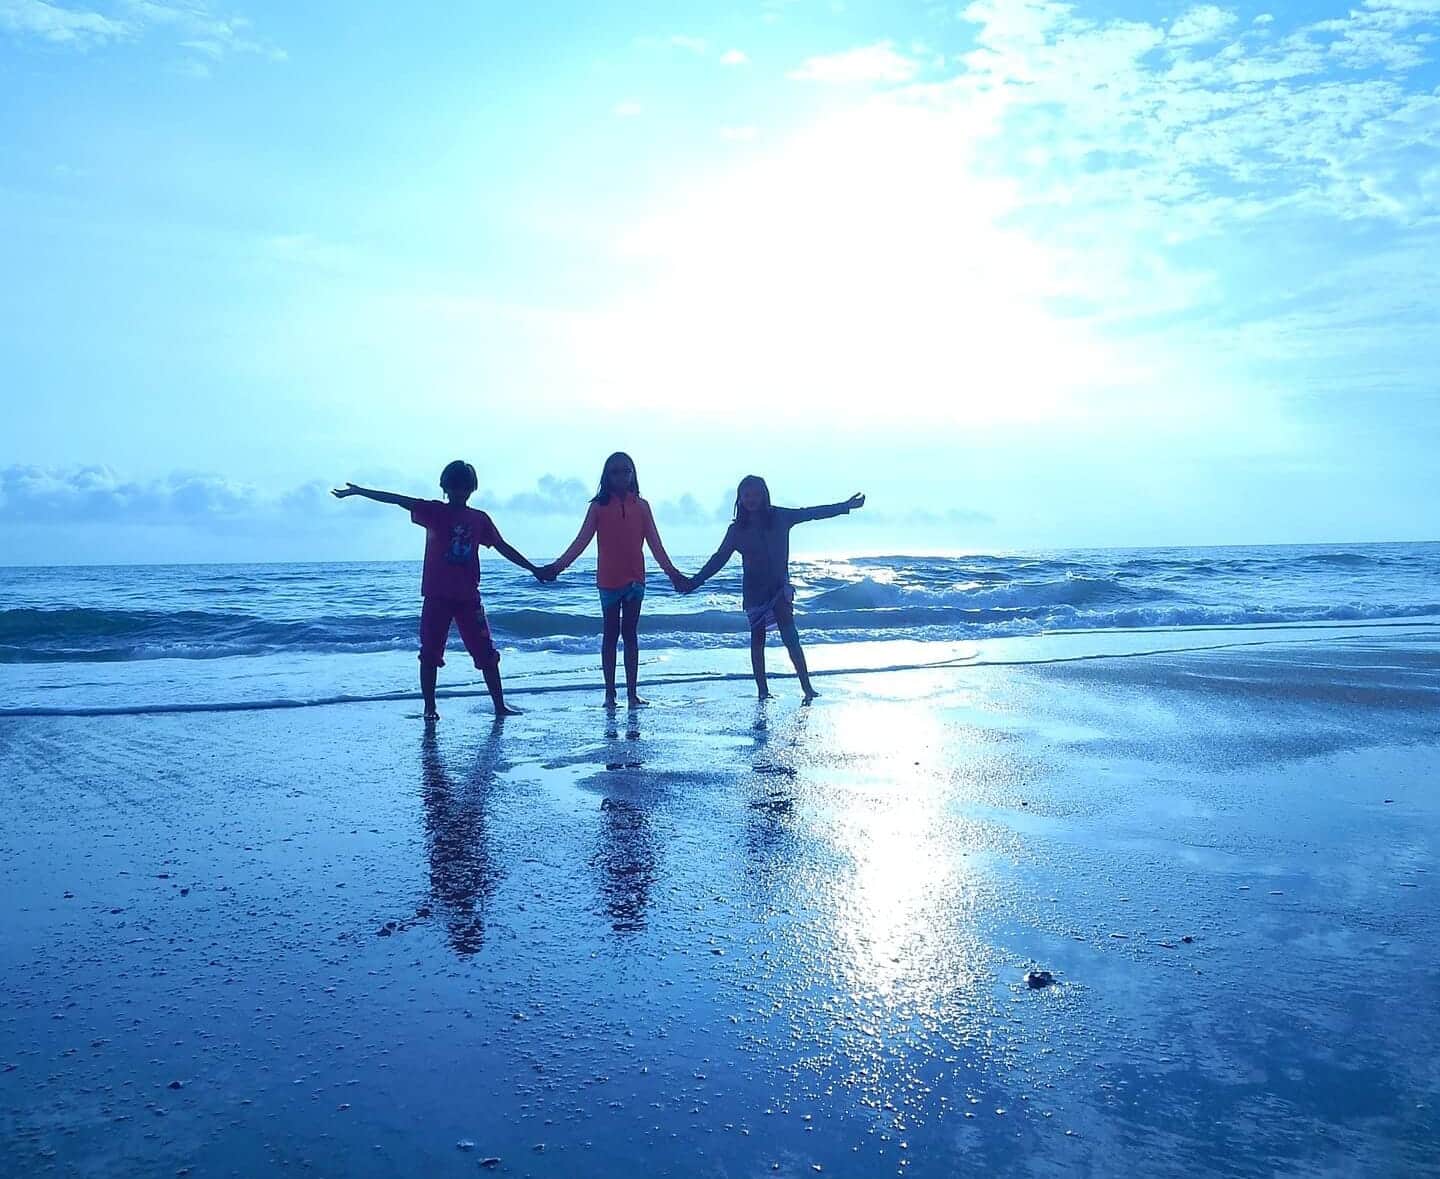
195	635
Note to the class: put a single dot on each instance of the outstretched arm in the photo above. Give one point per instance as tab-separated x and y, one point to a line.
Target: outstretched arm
577	546
408	502
513	555
652	538
825	511
715	563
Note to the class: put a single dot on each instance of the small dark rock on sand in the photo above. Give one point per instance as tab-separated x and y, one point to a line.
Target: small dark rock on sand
1036	979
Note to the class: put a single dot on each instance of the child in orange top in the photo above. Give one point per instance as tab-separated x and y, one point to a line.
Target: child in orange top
624	525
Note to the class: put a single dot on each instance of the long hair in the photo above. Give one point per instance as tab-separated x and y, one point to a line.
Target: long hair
602	495
763	516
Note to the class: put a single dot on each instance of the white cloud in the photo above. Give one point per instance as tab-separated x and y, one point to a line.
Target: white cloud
1042	241
553	496
627	108
31	495
881	62
734	57
198	28
738	134
58	25
1205	22
38	495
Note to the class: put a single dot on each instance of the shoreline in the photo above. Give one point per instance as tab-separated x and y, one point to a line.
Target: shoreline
689	667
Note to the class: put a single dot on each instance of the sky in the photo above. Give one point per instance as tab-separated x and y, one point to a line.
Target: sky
1029	273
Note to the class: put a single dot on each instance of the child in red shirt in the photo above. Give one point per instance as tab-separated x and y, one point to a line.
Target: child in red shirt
450	583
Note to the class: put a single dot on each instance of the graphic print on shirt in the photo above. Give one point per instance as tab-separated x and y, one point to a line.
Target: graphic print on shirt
462	544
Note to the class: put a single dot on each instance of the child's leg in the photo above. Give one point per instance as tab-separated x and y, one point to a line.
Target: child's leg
630	632
609	639
785	618
434	629
757	660
475	631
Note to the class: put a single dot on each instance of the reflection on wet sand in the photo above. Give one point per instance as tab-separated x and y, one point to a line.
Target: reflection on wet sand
625	856
463	872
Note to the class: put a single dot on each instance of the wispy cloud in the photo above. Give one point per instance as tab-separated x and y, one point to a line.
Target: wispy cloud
1217	126
734	57
627	108
194	26
872	63
553	496
30	494
1206	22
1064	231
98	494
60	26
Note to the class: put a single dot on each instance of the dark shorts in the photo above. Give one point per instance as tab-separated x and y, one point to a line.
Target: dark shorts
610	598
436	615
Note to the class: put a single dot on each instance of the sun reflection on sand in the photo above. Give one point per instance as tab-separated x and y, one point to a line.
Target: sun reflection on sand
895	956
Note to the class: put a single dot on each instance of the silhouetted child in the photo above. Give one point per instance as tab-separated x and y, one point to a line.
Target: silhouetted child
761	535
450	584
624	525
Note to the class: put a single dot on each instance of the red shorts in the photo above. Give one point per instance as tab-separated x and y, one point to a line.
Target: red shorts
436	614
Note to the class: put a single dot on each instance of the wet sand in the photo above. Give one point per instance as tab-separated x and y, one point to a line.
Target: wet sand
724	939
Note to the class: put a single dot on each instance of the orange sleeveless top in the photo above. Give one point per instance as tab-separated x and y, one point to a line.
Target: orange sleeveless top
620	538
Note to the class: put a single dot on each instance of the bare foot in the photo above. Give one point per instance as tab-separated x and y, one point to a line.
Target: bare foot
638	701
609	700
810	695
764	696
507	710
432	714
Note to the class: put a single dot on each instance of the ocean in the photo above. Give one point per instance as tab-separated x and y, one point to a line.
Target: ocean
151	636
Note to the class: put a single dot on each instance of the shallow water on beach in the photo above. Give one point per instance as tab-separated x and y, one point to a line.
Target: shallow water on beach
717	938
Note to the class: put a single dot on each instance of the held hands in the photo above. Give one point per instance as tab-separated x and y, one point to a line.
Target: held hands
548	573
342	492
682	584
855	501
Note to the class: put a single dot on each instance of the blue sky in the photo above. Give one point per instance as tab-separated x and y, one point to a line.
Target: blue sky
1030	273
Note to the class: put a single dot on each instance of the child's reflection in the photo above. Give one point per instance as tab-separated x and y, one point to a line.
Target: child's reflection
625	857
463	873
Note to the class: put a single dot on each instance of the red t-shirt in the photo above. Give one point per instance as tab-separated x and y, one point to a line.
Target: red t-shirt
453	536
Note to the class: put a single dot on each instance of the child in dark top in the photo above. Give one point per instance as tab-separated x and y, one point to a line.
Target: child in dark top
450	583
761	535
624	525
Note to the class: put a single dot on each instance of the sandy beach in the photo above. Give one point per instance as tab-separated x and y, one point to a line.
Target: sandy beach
719	938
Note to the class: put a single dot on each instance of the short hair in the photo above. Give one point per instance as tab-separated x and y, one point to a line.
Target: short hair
459	476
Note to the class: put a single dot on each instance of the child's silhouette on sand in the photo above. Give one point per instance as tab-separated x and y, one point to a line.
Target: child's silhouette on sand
450	584
760	533
624	525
